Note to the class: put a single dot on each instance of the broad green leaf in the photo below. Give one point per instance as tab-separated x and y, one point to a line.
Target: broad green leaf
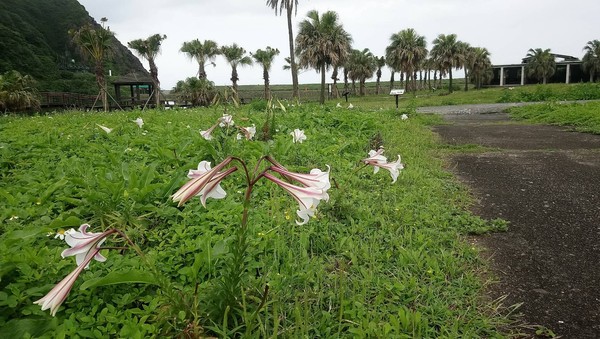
70	221
121	277
53	188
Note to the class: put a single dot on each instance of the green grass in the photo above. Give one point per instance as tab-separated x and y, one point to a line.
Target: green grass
584	117
379	260
409	101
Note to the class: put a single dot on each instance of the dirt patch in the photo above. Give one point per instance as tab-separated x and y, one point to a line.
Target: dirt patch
546	182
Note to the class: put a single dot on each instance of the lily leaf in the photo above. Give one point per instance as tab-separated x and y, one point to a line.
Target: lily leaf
120	277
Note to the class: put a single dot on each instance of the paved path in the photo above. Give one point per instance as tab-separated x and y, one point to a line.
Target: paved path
545	180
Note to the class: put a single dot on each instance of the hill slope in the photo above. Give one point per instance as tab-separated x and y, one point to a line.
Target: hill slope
34	40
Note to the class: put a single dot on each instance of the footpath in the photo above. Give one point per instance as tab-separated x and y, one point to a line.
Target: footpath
545	181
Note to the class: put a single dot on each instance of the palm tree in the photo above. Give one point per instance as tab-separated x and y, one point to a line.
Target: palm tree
540	64
196	91
379	62
203	52
480	66
148	49
289	6
446	51
406	52
17	92
322	42
235	55
95	43
362	65
466	59
591	59
265	58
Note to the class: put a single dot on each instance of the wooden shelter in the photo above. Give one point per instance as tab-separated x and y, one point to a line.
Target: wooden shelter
141	90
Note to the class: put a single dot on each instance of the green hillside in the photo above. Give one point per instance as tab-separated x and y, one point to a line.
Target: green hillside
34	40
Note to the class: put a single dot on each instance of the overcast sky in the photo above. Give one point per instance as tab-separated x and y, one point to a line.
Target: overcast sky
507	28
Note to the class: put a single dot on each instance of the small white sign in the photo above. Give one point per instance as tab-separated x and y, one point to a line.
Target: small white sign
397	91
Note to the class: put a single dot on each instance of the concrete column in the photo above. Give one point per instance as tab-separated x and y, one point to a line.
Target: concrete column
501	76
568	79
522	75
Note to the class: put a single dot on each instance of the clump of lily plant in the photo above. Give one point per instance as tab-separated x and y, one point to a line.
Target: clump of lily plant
205	182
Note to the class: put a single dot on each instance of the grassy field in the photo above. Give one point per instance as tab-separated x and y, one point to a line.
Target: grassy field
379	259
584	117
529	93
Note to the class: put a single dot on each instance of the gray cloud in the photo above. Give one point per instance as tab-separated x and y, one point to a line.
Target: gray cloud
508	28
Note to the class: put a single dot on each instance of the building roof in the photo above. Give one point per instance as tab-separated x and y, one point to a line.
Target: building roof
564	58
133	79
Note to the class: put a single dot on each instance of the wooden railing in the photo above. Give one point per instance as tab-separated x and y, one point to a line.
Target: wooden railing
69	100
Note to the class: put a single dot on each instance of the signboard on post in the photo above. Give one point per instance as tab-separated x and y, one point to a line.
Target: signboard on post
397	93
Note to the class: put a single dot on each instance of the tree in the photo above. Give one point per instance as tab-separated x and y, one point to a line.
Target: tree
361	67
289	6
446	52
379	62
235	56
591	59
196	91
203	52
265	58
322	42
148	49
540	64
17	92
95	43
406	53
466	58
480	66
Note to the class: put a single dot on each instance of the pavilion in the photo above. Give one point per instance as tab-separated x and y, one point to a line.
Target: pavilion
569	69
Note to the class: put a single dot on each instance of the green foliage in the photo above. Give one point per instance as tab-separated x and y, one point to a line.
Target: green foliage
378	259
585	91
198	92
17	92
584	117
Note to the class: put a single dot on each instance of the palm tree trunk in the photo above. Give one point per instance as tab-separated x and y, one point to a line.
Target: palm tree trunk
322	97
450	76
234	85
591	76
295	90
102	85
155	82
334	76
377	85
392	81
362	86
267	91
201	71
466	80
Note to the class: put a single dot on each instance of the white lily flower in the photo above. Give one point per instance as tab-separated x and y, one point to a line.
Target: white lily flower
139	122
394	168
308	198
105	129
226	120
59	293
82	242
205	183
208	133
298	136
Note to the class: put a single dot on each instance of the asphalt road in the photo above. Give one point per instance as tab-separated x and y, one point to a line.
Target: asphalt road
545	181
